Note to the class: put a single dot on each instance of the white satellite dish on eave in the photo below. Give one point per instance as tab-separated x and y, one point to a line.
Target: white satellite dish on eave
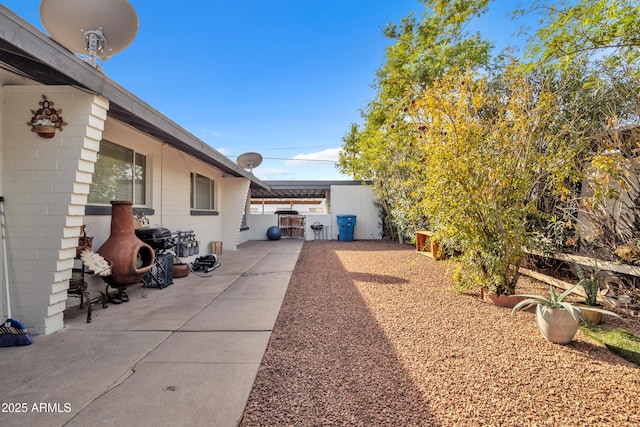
249	160
94	28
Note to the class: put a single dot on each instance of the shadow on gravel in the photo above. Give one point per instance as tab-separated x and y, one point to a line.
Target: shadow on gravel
382	279
328	361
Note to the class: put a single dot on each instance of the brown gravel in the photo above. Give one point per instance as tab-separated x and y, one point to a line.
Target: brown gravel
370	333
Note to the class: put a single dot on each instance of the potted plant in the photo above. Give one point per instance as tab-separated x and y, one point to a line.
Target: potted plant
591	284
557	319
44	127
46	119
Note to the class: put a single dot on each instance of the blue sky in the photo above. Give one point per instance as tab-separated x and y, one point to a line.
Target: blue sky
284	78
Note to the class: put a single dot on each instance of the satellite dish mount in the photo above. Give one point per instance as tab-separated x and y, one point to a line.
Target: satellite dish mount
92	28
96	43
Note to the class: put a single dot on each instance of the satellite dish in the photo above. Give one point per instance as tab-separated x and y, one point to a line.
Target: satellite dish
94	28
249	160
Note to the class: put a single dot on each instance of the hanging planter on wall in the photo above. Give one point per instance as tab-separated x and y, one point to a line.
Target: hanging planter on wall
45	130
46	120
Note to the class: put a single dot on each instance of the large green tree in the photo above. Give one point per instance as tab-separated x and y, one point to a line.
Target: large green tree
602	37
574	30
421	51
488	155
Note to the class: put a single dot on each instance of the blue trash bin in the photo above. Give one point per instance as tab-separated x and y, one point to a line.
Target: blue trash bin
346	224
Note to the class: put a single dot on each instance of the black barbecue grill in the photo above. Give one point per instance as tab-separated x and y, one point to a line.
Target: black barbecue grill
160	239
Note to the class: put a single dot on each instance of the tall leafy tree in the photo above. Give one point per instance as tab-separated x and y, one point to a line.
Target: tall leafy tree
421	52
486	154
601	37
572	30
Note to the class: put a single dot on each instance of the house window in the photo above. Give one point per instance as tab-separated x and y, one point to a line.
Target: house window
120	174
202	193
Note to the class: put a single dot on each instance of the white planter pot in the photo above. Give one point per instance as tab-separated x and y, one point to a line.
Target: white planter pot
556	324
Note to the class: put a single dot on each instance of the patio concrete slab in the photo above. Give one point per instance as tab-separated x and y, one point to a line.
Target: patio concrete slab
264	286
236	265
236	315
174	394
257	252
155	308
273	262
184	355
66	371
211	347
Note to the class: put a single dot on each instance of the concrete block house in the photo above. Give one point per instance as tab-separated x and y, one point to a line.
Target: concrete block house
54	186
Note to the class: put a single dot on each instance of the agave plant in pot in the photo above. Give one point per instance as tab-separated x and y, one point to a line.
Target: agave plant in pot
591	284
557	319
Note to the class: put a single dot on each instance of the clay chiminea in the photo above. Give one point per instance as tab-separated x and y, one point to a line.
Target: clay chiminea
131	258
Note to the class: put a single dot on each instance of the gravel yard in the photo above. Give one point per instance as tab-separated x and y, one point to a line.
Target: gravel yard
370	333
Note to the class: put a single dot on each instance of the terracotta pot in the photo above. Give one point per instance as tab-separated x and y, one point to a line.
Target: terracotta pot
556	324
180	270
509	301
45	131
131	258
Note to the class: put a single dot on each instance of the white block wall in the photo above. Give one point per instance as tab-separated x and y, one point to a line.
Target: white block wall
232	207
45	183
169	195
259	224
356	200
168	191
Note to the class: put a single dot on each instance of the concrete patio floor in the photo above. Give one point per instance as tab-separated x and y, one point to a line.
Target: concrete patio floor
185	355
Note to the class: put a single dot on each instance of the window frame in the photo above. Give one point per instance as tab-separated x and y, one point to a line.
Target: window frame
104	208
193	191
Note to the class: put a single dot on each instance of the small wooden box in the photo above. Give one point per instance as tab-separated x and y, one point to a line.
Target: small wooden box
216	248
426	245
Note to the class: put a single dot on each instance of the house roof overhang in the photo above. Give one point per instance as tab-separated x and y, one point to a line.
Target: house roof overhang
298	189
27	52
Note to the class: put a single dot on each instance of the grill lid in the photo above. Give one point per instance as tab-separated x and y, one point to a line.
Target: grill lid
153	233
157	238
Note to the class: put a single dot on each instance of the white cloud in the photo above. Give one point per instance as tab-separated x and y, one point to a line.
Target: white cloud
318	158
224	151
268	174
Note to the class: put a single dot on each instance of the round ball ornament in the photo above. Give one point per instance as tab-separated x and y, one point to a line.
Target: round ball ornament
274	233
